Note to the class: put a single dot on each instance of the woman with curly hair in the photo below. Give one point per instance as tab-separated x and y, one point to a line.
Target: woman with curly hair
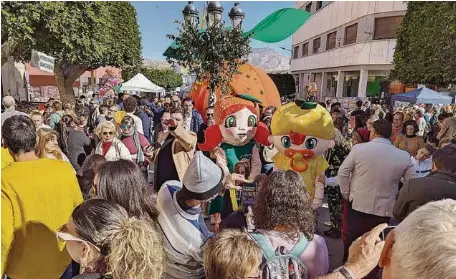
283	213
109	244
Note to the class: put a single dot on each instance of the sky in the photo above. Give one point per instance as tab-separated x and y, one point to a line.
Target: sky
156	20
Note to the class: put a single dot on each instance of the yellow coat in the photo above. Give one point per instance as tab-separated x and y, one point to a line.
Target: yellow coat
38	197
7	159
316	167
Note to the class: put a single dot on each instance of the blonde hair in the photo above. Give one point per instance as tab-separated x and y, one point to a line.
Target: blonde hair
105	125
425	243
231	254
131	248
44	136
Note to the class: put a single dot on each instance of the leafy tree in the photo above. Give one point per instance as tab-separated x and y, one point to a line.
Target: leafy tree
214	54
166	78
426	44
81	36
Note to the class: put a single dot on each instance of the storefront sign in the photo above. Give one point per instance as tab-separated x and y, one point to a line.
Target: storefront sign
42	61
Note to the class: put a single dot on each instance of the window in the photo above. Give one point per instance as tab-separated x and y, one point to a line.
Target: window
331	41
319	5
305	49
316	45
351	34
309	7
295	51
386	27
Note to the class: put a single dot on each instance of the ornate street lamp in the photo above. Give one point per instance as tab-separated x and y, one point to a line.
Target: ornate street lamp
236	15
190	14
214	12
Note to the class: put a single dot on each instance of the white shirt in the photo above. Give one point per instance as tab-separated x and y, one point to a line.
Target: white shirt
422	168
188	123
421	126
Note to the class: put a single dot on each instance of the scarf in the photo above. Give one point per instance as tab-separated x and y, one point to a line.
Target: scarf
140	155
105	146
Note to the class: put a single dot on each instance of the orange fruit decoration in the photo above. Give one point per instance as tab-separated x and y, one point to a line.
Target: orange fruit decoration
251	80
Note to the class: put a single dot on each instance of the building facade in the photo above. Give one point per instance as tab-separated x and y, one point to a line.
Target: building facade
346	48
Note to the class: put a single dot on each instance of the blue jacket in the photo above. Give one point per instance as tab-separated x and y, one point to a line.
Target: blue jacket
196	122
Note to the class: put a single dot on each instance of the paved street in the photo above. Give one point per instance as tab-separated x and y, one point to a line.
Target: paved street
335	246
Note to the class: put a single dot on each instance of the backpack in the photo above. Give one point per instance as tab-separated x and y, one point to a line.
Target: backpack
281	263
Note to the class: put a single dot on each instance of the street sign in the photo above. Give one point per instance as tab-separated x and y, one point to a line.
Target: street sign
42	61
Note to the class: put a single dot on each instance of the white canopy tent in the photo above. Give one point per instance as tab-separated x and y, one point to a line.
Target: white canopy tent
140	83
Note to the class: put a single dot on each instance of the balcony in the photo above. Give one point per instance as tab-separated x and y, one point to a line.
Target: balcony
365	53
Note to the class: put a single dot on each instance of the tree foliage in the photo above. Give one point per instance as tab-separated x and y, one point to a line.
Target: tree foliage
79	35
214	54
426	44
166	78
285	83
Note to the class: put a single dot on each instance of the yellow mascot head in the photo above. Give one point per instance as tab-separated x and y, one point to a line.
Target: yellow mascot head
301	131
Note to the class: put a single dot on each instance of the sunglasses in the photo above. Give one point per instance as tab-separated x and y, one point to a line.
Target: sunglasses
125	127
63	236
209	114
108	133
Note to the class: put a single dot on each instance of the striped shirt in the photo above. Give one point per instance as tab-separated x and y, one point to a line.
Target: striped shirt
184	234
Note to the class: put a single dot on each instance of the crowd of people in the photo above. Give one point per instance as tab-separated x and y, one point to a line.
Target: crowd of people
117	188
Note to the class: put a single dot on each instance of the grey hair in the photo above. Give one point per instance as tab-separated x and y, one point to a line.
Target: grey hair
104	125
425	243
9	101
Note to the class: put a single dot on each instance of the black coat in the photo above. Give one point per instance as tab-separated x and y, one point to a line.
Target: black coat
419	191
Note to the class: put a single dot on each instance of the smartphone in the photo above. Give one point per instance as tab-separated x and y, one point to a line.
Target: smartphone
386	231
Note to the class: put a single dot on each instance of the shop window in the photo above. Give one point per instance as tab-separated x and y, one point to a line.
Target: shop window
305	49
351	33
331	41
386	27
316	45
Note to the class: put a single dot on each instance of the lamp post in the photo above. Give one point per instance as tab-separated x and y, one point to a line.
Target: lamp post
214	12
215	25
191	14
236	15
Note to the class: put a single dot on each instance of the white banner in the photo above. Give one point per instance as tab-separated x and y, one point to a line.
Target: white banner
42	61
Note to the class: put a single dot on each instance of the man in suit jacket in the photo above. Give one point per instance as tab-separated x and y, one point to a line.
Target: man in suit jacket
369	179
440	184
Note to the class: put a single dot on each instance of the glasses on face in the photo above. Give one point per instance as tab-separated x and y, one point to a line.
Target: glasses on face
63	236
125	127
108	133
209	114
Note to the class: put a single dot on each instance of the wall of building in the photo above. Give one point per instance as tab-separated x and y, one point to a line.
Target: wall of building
366	60
369	53
336	14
